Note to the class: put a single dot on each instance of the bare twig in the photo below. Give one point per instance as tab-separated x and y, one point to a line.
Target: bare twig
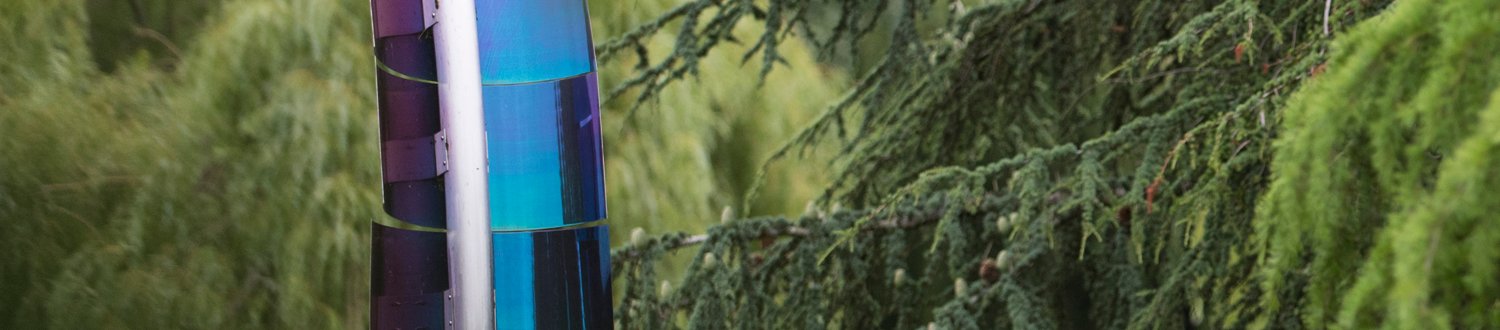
148	33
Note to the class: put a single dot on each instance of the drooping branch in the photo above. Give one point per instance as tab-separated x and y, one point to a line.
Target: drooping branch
775	227
1092	140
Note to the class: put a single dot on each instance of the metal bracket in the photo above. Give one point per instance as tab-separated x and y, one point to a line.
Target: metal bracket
440	153
429	12
407	159
448	320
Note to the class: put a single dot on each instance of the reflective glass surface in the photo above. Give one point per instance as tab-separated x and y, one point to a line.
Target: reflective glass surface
545	160
523	41
557	278
396	17
408	278
409	117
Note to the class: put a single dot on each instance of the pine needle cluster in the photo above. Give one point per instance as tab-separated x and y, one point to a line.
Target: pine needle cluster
1122	164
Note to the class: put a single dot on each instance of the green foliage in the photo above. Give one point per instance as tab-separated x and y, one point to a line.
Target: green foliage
1117	154
1382	198
221	193
676	161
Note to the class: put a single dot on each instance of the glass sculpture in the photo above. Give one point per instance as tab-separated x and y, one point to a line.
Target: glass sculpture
537	101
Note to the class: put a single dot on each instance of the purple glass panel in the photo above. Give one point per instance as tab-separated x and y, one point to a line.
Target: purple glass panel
409	115
396	17
583	166
408	278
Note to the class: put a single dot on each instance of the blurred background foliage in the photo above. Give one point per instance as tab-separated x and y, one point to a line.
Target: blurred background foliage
214	164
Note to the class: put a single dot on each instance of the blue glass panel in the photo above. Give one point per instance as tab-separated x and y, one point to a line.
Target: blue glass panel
554	279
593	267
523	41
584	171
545	163
522	131
515	306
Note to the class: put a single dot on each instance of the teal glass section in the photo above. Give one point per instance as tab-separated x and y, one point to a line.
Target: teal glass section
552	279
544	150
523	41
515	304
520	123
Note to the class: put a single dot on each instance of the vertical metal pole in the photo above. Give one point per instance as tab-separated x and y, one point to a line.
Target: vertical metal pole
461	101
